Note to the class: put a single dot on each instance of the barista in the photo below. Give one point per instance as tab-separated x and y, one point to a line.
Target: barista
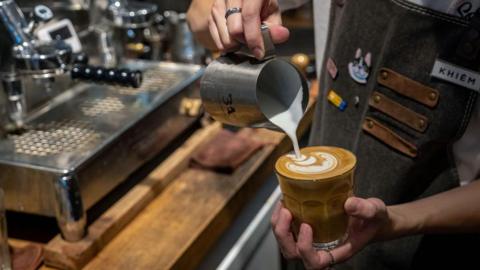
410	65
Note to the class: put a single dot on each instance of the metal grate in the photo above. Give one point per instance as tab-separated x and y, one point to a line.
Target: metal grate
155	80
101	106
54	138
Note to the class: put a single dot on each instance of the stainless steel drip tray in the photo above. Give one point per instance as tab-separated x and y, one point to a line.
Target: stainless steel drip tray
98	136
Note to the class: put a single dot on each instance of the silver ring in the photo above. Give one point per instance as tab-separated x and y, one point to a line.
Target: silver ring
231	11
332	259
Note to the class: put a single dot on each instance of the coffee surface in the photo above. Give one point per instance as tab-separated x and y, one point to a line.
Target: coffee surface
316	163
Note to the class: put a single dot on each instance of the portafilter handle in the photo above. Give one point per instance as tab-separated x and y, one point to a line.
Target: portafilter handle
122	77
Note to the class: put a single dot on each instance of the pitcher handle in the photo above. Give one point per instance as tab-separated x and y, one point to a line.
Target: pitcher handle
267	43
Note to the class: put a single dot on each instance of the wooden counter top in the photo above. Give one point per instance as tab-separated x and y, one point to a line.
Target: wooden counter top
179	226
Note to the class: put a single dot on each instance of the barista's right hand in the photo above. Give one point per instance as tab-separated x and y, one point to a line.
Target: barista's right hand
369	221
244	27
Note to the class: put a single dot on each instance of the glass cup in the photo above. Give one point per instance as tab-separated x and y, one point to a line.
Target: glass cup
315	188
5	263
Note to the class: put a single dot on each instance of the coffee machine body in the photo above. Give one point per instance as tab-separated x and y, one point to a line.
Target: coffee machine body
68	136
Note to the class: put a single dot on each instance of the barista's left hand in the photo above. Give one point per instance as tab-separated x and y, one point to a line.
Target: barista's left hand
369	221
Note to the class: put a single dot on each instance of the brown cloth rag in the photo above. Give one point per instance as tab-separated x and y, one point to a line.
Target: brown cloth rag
226	151
29	257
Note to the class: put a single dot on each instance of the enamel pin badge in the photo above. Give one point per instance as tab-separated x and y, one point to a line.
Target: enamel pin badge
332	68
337	100
359	69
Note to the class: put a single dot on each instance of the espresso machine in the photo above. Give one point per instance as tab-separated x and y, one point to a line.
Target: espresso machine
141	31
72	132
136	27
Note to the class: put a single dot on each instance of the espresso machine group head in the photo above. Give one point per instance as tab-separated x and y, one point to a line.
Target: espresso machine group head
27	57
137	29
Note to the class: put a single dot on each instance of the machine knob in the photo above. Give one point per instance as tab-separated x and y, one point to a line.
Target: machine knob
42	13
123	77
130	78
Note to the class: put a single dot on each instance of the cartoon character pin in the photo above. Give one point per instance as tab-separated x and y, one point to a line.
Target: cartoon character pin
359	69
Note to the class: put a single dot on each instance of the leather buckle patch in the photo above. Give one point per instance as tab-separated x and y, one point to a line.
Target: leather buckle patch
408	87
389	137
398	112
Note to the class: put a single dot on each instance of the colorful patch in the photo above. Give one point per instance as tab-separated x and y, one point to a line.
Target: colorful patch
359	69
336	100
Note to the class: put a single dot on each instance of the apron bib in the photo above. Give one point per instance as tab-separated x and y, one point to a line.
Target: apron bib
400	121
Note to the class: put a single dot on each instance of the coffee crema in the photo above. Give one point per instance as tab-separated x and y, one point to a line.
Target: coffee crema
316	163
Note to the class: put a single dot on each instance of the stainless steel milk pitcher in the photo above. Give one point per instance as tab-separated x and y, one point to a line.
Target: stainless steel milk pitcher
238	89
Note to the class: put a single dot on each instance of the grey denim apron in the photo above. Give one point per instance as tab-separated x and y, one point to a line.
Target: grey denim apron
405	39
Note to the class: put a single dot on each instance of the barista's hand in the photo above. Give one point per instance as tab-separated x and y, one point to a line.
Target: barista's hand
244	27
368	221
197	17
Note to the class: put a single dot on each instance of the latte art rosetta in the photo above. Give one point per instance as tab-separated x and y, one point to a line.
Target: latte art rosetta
314	163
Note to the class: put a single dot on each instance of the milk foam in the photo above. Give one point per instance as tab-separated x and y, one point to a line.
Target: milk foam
315	163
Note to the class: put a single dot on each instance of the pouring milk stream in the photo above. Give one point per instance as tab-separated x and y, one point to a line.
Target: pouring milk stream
287	120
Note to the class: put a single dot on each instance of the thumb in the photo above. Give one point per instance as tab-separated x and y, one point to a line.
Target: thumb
364	208
278	33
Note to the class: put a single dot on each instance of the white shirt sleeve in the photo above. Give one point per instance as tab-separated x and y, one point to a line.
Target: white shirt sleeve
466	150
291	4
321	14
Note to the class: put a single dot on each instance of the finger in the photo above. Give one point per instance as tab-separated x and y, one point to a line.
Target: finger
311	259
251	27
315	259
272	17
214	33
342	252
271	12
276	214
278	32
218	13
234	21
284	236
361	208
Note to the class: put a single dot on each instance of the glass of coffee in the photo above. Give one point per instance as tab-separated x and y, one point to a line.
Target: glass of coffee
315	188
5	263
